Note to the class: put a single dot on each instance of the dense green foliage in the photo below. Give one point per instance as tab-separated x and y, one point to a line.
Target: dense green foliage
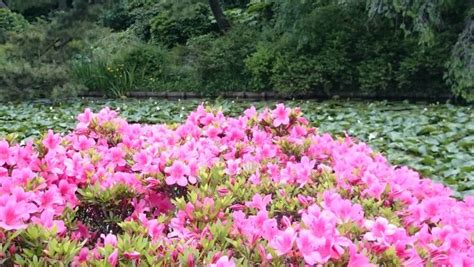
292	47
10	22
437	140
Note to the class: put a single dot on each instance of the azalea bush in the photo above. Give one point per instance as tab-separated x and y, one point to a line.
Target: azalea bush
433	139
259	189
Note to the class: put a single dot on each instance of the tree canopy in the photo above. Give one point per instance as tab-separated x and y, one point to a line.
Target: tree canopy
288	46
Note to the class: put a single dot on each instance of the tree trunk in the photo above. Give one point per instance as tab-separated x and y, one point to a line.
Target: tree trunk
222	21
62	4
3	5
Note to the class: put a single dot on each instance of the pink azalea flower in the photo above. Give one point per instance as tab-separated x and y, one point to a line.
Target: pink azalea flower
250	112
25	155
113	258
3	172
82	143
255	178
106	114
379	229
222	191
283	241
68	191
177	173
142	160
23	176
74	165
281	115
49	198
233	166
20	195
47	220
160	201
304	169
266	151
269	229
343	208
375	189
116	156
109	240
134	255
357	259
82	257
312	248
213	132
259	219
223	261
259	202
82	232
51	140
4	152
85	117
321	224
13	215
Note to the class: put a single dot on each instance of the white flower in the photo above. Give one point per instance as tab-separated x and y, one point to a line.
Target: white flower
372	136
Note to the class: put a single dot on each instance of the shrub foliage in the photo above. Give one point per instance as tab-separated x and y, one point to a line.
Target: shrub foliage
292	47
260	189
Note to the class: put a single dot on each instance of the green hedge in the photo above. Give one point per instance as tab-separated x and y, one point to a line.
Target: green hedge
289	47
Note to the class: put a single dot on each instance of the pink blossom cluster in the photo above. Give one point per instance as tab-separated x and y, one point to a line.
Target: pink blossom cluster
261	189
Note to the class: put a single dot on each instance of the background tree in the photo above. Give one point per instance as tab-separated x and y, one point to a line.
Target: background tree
372	47
221	19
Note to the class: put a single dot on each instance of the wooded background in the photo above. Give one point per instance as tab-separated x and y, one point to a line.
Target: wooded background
58	48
